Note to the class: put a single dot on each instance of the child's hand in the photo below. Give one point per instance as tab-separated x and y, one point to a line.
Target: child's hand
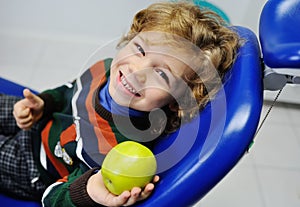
28	110
99	193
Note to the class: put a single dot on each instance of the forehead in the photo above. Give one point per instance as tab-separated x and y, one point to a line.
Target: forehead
167	43
180	54
176	50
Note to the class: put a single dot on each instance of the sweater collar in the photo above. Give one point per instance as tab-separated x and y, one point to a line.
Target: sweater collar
139	119
110	105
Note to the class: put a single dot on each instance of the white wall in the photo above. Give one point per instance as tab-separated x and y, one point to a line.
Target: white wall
94	20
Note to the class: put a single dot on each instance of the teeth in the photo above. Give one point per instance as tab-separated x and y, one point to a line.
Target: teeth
127	86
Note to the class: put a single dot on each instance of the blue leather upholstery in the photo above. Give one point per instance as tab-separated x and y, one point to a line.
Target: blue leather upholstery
11	88
212	144
6	201
279	33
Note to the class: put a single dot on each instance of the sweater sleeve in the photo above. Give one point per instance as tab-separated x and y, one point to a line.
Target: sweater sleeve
56	99
78	192
70	191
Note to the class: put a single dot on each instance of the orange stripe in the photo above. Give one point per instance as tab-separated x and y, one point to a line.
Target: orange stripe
62	170
106	132
64	179
104	136
68	135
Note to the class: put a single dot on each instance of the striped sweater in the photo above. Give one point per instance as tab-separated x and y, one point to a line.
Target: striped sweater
76	133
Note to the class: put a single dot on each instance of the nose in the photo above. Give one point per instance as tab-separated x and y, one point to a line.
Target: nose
140	71
141	76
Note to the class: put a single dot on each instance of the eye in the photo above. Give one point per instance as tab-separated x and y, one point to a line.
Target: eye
140	49
162	74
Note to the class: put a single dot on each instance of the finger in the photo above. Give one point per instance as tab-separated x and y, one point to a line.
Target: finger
21	113
146	192
134	196
121	199
25	121
148	189
25	126
155	179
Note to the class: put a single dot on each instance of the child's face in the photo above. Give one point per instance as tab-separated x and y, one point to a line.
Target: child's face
146	76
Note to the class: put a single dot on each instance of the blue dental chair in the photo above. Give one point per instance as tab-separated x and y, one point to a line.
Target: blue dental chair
213	143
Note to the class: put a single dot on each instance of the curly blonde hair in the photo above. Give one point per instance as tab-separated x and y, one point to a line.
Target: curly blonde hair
201	27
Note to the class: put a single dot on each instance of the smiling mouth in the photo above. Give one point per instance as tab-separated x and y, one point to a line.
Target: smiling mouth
127	86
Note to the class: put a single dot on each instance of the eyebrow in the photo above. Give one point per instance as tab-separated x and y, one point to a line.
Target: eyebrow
142	39
147	41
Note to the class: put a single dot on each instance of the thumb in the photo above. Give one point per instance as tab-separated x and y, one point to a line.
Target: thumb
32	98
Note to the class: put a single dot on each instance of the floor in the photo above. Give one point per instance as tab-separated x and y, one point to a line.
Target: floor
269	176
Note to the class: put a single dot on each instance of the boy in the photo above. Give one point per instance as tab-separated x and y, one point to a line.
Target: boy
171	61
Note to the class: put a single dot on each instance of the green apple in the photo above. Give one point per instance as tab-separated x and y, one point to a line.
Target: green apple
127	165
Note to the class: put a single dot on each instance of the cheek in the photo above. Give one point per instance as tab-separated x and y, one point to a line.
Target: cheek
113	67
159	97
113	78
122	54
